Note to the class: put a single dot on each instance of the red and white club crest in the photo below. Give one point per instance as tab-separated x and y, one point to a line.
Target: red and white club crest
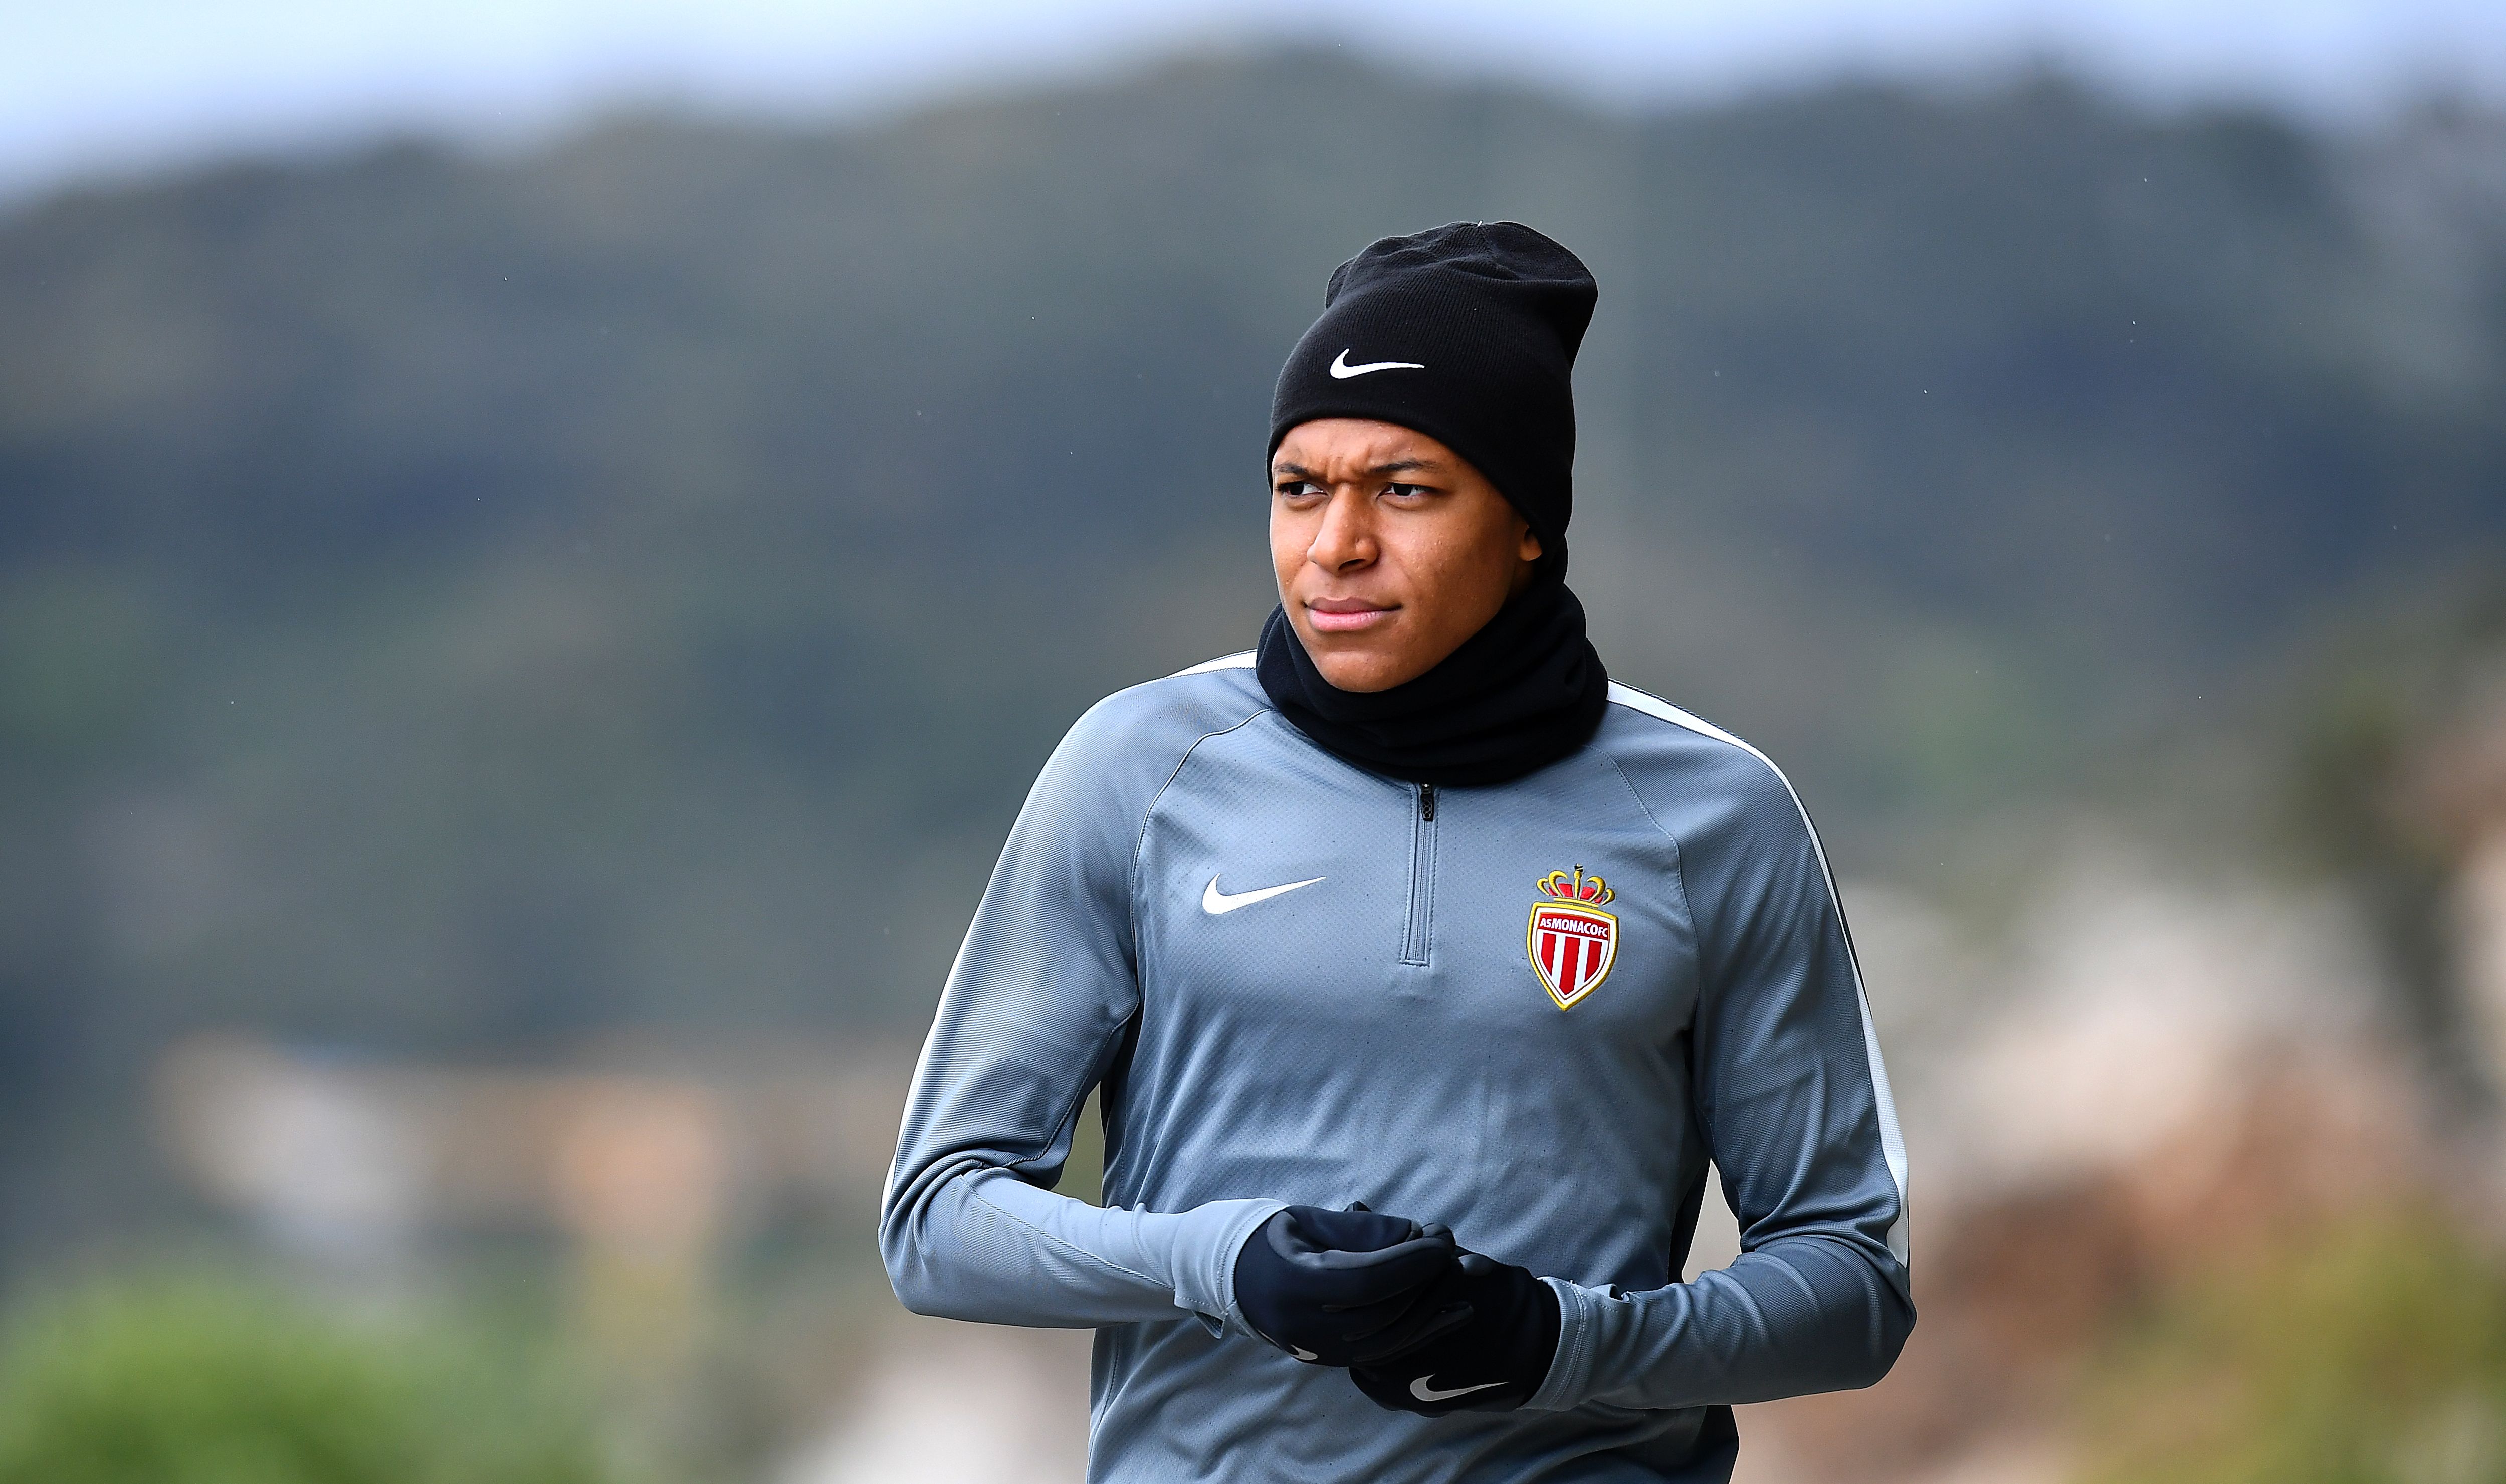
1571	940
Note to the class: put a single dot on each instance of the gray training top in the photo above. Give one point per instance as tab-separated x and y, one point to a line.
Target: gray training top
1300	982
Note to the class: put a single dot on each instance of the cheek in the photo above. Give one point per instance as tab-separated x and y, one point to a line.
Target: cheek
1289	542
1470	578
1496	550
1447	566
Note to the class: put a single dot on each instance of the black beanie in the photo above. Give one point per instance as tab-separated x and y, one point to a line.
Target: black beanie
1466	332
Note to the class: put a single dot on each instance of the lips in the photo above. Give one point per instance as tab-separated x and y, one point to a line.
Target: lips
1345	616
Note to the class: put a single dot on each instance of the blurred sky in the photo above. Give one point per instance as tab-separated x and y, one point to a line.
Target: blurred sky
136	85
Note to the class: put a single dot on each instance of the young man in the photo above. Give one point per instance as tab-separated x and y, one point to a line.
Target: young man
1413	909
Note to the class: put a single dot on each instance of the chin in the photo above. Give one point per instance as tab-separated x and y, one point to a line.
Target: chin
1359	672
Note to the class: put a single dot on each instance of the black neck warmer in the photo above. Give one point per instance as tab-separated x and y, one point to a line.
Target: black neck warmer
1523	691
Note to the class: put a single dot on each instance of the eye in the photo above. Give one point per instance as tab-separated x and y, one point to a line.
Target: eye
1407	491
1300	489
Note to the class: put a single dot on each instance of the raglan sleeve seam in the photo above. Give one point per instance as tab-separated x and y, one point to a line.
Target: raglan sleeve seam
1688	909
1678	855
1140	839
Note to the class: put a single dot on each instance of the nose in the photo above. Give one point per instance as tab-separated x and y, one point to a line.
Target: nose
1345	540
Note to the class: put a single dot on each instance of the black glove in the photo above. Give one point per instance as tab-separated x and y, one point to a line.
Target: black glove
1338	1287
1488	1350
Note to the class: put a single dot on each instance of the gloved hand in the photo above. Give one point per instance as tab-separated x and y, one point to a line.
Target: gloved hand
1488	1348
1335	1287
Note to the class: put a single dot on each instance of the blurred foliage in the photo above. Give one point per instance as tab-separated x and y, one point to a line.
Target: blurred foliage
196	1380
2374	1352
456	607
2368	795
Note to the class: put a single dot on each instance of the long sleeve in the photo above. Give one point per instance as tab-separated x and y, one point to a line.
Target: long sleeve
1033	1013
1794	1104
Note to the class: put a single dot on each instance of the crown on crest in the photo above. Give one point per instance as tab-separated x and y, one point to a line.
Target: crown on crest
1579	888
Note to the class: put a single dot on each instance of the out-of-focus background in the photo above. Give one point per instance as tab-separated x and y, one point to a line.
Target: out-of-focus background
542	543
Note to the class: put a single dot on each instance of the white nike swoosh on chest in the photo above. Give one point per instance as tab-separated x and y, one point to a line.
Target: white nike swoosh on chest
1215	902
1425	1392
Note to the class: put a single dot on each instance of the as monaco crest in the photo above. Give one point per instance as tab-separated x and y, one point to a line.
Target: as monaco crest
1571	940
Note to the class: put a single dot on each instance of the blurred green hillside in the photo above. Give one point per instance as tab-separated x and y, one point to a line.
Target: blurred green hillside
461	606
196	1379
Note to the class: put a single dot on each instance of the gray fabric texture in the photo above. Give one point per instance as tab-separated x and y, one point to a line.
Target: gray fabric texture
1381	1034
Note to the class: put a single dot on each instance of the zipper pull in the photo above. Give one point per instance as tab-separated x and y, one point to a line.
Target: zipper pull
1427	803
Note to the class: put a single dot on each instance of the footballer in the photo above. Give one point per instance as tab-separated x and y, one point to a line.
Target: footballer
1424	972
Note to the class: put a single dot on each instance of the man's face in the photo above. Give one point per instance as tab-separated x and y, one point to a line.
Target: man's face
1390	550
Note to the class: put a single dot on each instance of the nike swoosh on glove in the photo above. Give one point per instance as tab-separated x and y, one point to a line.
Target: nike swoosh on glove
1335	1287
1498	1334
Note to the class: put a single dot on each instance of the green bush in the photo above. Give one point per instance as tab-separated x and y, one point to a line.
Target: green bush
2375	1354
196	1381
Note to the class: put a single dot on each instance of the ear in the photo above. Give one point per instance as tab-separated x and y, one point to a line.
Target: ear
1528	545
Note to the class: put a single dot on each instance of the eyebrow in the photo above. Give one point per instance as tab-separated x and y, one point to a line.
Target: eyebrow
1397	466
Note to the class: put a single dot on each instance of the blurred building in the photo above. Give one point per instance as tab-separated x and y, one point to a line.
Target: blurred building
645	1170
